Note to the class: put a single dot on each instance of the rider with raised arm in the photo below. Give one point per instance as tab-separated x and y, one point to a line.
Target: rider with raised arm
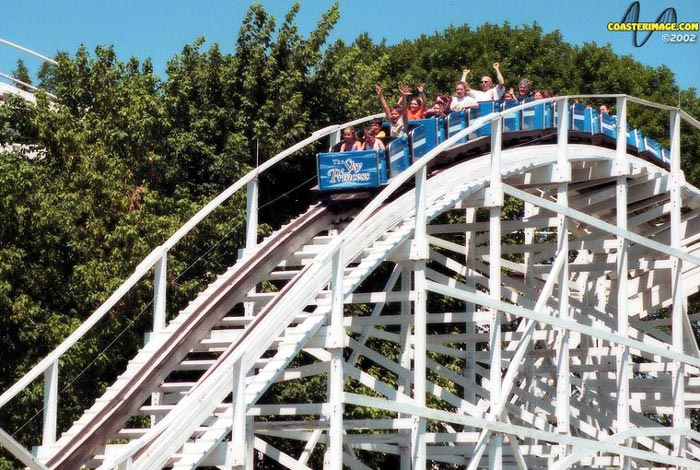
397	116
489	91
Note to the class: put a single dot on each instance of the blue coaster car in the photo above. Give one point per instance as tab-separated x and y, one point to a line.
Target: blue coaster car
666	157
434	129
537	117
351	170
608	125
512	122
418	141
635	139
485	108
397	153
583	118
456	122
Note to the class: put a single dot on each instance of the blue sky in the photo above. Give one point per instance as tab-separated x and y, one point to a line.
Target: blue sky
158	29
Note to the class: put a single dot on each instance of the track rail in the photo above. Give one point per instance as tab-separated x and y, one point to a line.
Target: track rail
80	444
160	253
131	394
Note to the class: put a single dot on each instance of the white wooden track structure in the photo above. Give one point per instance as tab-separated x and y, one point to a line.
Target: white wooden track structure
13	87
567	342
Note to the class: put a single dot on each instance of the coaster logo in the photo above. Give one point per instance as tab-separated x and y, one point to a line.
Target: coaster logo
352	175
632	16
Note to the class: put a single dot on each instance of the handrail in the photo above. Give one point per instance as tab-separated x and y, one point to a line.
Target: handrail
361	218
332	249
322	259
411	171
689	119
159	251
28	51
325	258
19	91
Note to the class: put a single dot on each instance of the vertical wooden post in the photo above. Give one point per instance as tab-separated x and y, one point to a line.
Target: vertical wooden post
160	290
251	212
50	404
623	359
419	254
405	383
470	308
495	201
251	232
679	308
237	455
563	176
334	453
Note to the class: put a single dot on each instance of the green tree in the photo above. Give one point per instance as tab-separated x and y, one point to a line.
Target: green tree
21	73
346	79
46	75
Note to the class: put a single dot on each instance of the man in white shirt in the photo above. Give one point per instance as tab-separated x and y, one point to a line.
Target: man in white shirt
488	91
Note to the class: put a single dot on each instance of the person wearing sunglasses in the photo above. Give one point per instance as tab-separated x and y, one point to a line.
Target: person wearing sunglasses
488	91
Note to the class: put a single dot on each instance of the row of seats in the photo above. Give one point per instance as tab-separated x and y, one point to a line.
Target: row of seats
373	168
363	168
583	119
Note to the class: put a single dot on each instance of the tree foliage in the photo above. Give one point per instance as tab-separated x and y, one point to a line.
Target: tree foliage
21	74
